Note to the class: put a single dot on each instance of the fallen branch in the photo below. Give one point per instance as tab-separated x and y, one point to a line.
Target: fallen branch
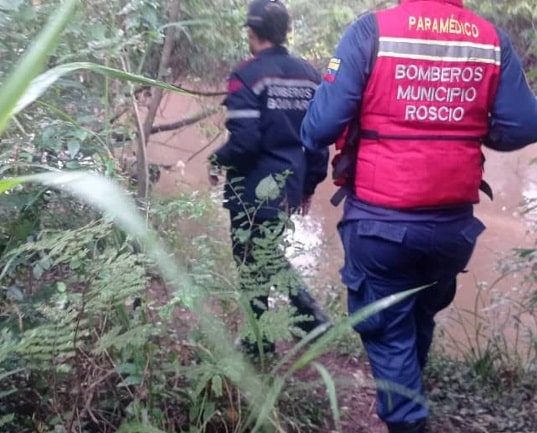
184	122
191	92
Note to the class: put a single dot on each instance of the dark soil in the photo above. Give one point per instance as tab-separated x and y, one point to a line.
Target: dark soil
355	392
453	410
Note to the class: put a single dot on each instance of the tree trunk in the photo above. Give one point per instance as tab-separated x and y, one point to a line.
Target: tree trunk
145	132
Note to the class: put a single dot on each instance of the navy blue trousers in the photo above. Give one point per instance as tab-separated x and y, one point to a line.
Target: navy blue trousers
258	250
383	258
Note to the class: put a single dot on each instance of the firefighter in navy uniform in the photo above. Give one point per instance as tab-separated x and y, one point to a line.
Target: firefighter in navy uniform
430	82
267	99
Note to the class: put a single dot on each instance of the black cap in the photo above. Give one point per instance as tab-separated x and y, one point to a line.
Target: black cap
269	19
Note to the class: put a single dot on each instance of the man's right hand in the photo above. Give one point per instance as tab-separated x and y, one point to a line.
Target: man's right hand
213	172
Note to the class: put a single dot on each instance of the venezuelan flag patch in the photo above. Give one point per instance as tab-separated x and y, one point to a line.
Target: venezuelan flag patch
333	67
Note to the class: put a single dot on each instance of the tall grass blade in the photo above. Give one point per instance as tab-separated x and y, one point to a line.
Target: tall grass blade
332	395
322	342
33	61
41	83
10	183
269	403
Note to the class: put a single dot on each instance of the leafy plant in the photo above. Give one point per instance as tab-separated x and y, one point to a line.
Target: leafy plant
127	328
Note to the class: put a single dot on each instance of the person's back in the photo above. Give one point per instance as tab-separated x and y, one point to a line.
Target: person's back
280	87
421	135
266	102
267	99
429	82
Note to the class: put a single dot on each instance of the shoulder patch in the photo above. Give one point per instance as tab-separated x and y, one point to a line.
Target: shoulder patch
234	84
333	68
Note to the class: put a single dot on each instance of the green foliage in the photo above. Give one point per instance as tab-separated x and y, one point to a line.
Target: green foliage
109	329
45	80
499	333
517	19
80	314
317	30
192	228
501	342
93	321
32	61
463	400
330	386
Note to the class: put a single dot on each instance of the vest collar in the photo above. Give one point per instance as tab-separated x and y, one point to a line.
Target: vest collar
276	49
453	2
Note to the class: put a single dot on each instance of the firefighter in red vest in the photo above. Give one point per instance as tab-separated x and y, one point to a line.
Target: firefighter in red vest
423	85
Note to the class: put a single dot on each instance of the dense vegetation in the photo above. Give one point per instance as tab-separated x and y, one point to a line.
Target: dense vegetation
103	327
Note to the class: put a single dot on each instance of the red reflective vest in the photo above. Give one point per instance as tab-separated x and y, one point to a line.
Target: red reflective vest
426	105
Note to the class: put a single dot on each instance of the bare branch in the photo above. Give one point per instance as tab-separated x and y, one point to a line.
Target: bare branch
184	122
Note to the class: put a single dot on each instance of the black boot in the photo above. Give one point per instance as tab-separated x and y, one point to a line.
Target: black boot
307	306
252	349
259	305
418	426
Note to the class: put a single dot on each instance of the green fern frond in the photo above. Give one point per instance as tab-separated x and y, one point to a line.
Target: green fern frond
51	343
116	281
115	338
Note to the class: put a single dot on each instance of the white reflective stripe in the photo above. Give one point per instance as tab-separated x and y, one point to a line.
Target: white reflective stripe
438	58
437	42
243	114
426	49
284	82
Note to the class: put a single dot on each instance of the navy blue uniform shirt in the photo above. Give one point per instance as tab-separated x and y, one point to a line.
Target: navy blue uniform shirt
267	99
513	120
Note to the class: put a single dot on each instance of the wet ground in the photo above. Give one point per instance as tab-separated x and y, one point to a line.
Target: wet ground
511	176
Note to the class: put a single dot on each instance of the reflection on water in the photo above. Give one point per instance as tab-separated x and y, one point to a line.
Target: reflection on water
306	240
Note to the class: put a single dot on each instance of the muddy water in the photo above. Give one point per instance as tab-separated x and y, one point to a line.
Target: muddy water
511	176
